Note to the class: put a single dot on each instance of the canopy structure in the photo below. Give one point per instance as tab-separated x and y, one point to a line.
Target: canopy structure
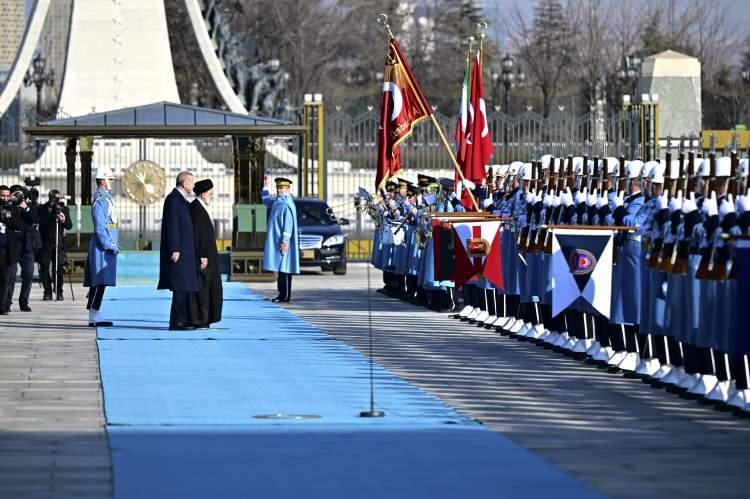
168	120
164	119
177	121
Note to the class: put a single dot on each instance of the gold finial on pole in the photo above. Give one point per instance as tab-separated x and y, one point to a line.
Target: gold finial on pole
383	19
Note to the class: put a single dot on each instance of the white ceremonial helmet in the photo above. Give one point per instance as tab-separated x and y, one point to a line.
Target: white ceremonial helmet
525	172
633	168
723	166
675	169
656	173
704	168
104	172
648	167
546	161
590	167
514	167
578	166
503	170
612	166
742	167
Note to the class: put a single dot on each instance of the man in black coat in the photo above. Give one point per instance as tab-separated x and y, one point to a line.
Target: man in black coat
9	250
177	269
54	220
26	217
208	301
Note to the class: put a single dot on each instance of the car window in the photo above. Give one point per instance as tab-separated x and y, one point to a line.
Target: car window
313	214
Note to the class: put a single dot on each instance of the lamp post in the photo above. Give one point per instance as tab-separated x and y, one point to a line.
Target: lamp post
630	71
38	76
507	76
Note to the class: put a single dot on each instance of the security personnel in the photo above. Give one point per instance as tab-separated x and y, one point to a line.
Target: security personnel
54	220
27	218
282	242
101	266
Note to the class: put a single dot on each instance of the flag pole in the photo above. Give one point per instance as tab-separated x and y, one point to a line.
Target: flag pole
383	19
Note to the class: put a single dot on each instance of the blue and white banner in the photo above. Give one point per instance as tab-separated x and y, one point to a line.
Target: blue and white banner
582	269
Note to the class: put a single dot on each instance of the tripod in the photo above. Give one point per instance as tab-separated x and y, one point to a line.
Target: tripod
57	264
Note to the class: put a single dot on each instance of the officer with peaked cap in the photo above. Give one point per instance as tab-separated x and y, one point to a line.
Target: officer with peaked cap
101	265
282	243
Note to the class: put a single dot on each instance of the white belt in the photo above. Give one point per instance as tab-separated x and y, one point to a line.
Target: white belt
635	237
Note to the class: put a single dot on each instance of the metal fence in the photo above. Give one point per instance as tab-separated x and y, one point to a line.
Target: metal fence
350	145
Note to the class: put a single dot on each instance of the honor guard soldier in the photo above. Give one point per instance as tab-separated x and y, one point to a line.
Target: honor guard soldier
101	266
282	242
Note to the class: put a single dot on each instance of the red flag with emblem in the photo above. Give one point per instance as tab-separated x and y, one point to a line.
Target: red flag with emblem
479	146
403	105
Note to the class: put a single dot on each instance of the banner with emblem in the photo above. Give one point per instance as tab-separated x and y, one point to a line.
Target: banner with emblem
403	105
582	268
466	249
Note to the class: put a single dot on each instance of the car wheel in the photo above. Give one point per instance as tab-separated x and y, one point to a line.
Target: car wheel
340	269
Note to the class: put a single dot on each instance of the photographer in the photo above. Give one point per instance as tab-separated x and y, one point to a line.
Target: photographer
54	220
8	251
22	236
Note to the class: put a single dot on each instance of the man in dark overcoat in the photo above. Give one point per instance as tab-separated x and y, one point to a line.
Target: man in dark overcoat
208	301
177	269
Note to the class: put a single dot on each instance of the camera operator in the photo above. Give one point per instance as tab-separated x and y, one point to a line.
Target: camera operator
54	220
25	218
8	247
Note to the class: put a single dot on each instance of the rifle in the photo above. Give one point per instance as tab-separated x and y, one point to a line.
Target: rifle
705	267
548	233
669	250
656	243
552	179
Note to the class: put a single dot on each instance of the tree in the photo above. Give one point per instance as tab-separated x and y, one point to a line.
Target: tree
544	48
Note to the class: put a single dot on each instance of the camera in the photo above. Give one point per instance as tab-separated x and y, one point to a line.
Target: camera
17	197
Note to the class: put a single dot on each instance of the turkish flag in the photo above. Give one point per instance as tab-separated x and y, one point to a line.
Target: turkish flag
479	146
402	106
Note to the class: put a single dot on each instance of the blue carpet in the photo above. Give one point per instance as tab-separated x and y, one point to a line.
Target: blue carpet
185	415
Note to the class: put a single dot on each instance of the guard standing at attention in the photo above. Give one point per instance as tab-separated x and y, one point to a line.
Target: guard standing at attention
282	242
101	266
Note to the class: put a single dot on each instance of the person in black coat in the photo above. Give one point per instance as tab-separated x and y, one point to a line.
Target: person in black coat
23	239
177	269
9	250
207	302
54	216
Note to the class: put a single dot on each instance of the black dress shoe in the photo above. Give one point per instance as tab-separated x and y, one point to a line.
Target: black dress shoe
101	324
60	298
47	298
280	300
25	308
4	311
181	327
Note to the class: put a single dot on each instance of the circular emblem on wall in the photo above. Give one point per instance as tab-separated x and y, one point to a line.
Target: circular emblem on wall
144	182
581	262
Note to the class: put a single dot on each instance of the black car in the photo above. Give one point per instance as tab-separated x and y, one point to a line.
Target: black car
321	241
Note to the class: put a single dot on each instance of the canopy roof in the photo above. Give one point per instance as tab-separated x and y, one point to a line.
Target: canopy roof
164	119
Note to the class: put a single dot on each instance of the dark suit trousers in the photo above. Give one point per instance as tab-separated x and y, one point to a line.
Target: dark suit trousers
284	285
180	312
3	274
27	274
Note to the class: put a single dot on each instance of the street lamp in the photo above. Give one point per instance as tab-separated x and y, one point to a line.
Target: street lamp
38	76
507	76
630	71
745	74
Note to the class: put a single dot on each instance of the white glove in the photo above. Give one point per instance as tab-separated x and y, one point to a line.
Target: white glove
556	200
487	203
710	205
580	196
676	202
743	203
468	184
603	200
689	204
620	199
548	199
566	198
530	197
662	201
592	198
726	206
